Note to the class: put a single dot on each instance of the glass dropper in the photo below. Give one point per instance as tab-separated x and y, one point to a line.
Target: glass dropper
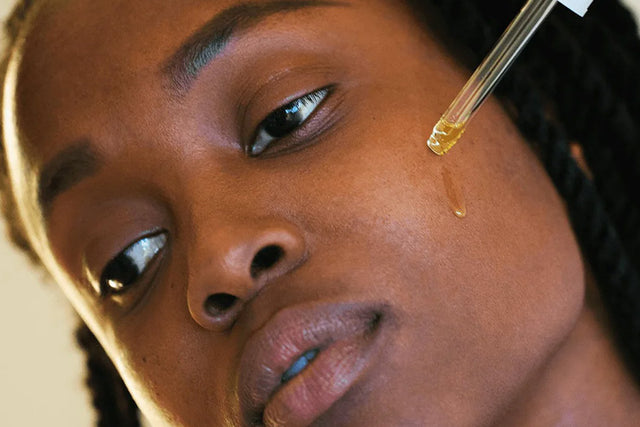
453	122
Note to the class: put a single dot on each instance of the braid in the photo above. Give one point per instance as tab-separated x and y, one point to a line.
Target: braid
113	403
595	112
605	127
110	397
615	15
620	66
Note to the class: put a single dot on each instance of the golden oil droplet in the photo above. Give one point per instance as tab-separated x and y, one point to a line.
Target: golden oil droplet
454	194
444	136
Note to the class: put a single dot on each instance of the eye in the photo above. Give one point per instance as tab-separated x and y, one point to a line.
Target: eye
131	264
285	120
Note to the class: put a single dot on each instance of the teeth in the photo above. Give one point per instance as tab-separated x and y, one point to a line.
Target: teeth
299	365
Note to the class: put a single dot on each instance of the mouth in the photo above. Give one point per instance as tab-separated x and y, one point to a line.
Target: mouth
305	359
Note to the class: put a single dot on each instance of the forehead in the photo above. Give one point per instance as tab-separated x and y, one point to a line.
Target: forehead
80	54
83	55
129	33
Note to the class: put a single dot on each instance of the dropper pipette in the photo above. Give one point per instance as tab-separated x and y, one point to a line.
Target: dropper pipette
453	122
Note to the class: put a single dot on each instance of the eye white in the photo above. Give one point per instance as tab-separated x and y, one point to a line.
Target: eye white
305	106
141	253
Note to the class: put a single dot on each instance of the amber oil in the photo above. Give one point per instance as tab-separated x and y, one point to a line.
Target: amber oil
454	193
445	135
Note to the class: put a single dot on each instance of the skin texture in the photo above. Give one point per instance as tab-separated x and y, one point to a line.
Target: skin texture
489	321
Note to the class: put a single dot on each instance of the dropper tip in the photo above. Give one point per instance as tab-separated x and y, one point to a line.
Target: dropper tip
435	145
444	136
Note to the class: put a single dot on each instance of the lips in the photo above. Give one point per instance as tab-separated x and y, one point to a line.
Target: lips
305	359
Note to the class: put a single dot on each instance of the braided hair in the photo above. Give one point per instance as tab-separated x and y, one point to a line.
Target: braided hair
575	84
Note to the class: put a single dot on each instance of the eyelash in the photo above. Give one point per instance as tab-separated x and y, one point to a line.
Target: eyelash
116	278
298	110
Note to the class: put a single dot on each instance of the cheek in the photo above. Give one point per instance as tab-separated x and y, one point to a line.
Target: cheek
496	291
178	373
505	284
521	235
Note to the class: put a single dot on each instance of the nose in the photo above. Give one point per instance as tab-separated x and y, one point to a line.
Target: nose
232	264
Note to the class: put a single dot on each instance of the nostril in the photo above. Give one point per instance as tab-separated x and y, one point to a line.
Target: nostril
266	258
218	304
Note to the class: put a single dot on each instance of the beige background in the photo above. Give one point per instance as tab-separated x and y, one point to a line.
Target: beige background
40	370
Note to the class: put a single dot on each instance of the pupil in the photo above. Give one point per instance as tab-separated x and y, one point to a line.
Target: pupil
122	270
283	121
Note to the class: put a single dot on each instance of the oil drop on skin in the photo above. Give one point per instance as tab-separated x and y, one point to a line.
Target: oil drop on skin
454	193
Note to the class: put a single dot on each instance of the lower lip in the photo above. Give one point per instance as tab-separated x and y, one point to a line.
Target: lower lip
327	378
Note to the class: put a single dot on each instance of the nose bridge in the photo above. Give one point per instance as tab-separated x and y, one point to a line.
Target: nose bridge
229	263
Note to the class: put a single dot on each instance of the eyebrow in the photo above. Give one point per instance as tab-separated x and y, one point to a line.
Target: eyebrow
80	161
184	66
65	170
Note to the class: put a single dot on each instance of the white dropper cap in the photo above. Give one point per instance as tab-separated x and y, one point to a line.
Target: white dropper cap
578	6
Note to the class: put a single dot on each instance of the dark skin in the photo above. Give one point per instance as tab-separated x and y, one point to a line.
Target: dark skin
487	317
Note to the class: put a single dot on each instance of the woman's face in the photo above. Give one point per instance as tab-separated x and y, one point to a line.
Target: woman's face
223	187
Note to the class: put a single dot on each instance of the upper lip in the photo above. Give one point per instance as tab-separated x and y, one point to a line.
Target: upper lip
290	333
